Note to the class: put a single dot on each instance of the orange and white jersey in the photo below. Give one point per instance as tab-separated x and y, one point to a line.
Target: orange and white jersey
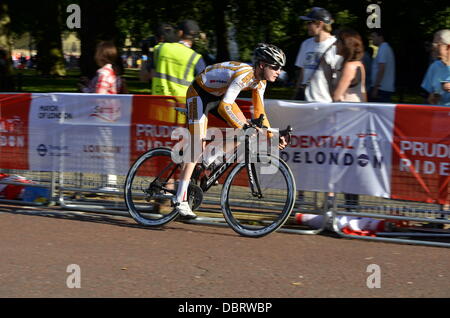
228	79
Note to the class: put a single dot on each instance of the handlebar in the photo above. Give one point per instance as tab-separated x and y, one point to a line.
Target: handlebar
258	123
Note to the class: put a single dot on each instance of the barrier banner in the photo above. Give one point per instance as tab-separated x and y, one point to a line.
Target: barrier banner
152	122
421	161
333	145
79	133
14	109
385	150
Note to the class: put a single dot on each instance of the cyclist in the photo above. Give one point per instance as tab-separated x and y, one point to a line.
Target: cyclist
215	91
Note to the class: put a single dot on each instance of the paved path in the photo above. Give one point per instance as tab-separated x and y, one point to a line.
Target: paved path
118	258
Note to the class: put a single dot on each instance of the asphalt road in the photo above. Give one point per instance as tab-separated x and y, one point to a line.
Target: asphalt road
118	258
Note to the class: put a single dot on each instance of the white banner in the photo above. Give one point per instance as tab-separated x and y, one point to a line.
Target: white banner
80	133
337	147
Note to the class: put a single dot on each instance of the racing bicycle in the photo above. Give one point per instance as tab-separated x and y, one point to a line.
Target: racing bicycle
257	196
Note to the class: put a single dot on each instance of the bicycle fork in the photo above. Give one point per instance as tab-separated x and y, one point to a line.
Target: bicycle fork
254	181
251	171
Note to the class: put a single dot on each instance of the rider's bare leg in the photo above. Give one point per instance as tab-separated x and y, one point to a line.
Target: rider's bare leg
185	177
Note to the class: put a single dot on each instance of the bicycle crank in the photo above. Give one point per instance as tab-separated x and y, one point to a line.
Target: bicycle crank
195	196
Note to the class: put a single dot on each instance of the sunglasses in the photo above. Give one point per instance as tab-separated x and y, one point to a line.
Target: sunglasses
274	67
436	44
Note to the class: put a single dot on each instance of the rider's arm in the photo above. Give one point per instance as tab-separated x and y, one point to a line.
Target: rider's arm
229	109
258	104
227	106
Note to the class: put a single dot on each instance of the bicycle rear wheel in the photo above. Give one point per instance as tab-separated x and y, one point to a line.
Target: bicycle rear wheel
150	185
255	215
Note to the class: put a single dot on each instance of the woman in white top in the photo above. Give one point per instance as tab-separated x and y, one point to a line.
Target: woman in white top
351	86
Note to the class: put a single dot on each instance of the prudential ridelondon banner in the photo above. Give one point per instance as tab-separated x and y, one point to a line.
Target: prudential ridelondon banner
337	147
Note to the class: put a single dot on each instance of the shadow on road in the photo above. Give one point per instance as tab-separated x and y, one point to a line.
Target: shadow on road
104	218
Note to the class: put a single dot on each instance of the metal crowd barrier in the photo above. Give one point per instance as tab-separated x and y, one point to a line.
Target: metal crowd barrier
89	193
47	180
427	224
93	193
422	223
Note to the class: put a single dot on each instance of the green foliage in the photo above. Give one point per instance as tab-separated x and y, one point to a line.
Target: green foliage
345	18
274	21
441	20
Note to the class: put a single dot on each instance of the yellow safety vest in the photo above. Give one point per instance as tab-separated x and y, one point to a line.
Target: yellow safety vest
174	66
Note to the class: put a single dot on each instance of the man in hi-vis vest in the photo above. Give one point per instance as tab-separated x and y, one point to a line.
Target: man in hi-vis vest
176	64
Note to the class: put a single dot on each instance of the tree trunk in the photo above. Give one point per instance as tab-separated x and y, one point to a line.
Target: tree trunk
50	55
98	23
7	81
221	31
4	27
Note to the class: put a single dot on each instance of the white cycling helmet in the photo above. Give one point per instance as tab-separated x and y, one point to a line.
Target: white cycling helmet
270	54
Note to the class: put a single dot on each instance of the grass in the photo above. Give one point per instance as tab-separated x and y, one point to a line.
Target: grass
32	82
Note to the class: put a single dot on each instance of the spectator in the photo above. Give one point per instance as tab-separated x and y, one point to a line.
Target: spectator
107	81
351	86
437	77
367	61
383	69
176	64
109	75
446	87
316	57
164	33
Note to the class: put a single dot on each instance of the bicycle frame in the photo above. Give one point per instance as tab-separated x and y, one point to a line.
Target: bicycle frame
209	181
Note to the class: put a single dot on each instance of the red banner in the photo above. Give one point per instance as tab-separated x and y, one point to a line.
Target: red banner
14	110
421	154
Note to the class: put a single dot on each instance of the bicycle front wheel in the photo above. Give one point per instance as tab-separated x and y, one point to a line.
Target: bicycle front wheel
257	198
150	185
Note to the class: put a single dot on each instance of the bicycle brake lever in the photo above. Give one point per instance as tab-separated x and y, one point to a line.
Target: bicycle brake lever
258	122
287	134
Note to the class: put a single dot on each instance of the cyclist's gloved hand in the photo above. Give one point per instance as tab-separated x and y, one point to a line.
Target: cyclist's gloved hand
283	143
